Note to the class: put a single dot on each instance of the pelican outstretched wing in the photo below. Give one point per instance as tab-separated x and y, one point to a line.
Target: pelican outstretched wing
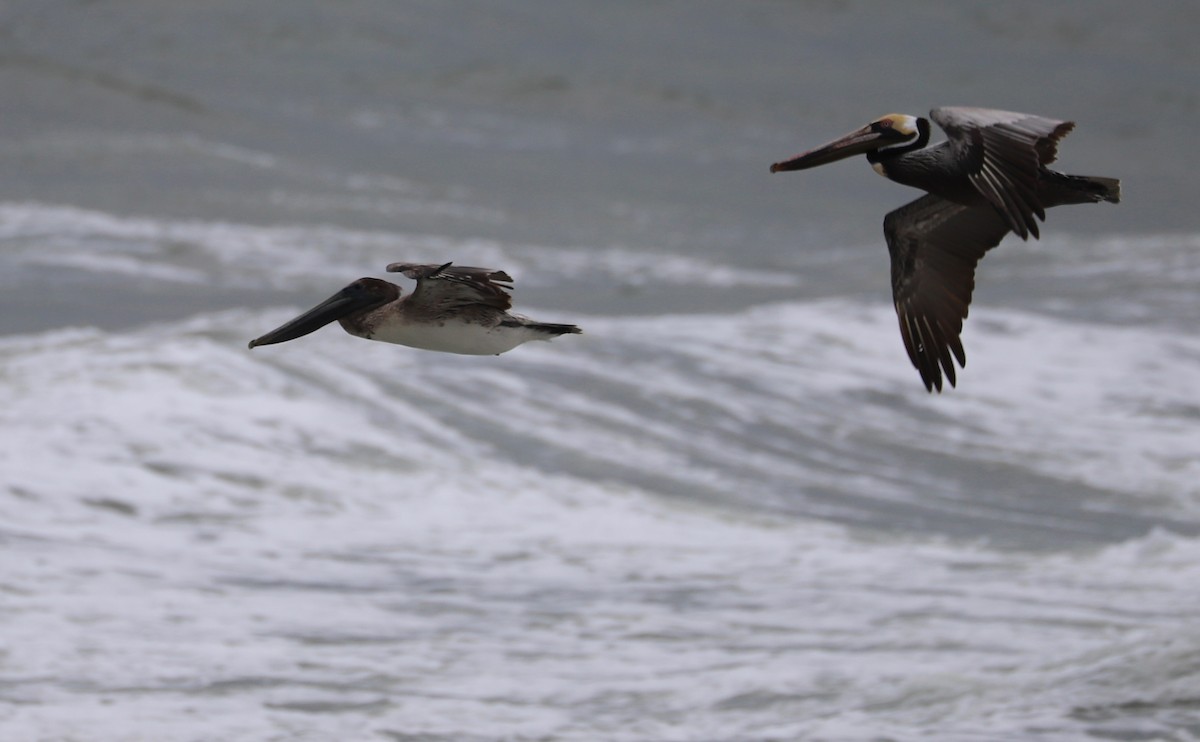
447	286
1004	151
935	245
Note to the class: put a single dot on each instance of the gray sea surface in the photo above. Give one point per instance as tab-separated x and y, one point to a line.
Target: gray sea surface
727	511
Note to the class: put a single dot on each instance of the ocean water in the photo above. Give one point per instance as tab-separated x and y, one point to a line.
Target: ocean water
727	511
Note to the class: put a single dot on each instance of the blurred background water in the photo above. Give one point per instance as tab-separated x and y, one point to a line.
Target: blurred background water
728	511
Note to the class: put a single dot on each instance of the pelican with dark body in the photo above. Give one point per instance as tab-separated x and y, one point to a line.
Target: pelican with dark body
988	179
453	310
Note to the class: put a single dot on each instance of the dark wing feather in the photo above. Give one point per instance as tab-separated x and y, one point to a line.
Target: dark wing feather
935	245
1005	152
448	286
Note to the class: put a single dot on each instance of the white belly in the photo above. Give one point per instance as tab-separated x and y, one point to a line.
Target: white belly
467	338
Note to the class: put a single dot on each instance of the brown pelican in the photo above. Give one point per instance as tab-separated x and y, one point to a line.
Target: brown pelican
453	309
988	179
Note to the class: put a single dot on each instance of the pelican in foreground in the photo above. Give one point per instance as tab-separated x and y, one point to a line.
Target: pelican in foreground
990	178
453	310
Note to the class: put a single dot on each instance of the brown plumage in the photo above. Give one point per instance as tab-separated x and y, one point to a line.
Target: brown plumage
988	179
454	309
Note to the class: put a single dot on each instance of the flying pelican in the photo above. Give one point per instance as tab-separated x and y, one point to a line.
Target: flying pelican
453	310
988	179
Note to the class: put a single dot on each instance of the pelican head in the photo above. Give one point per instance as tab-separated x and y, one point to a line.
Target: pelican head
363	295
893	133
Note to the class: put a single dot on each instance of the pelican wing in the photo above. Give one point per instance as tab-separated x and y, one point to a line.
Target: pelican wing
1004	152
448	286
935	245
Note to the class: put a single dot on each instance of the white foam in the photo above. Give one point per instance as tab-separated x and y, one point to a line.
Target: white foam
239	255
335	537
